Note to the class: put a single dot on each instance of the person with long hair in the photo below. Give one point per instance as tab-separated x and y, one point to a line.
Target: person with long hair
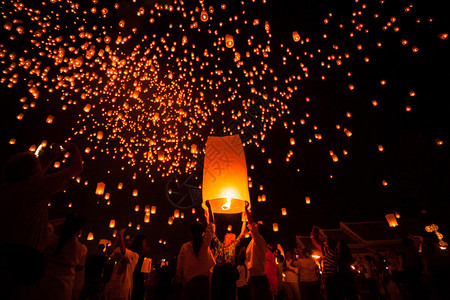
120	284
256	259
65	256
195	260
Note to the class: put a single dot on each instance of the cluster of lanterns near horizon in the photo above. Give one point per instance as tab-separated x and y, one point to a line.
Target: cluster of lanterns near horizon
150	98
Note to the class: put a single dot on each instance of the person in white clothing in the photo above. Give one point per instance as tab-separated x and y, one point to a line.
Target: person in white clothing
256	259
120	284
291	286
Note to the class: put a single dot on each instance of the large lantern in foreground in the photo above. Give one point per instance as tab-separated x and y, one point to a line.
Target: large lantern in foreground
225	181
392	220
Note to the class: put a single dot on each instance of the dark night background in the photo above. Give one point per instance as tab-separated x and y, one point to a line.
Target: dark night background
416	168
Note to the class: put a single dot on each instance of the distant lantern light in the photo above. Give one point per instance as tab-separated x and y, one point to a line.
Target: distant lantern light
229	228
295	36
227	190
397	215
100	188
176	214
380	148
307	200
193	210
170	221
384	183
99	135
439	142
292	140
112	223
146	219
283	211
275	227
392	221
120	186
135	193
90	236
153	210
50	119
204	16
229	41
136	208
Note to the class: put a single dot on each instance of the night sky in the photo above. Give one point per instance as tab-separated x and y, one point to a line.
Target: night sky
386	88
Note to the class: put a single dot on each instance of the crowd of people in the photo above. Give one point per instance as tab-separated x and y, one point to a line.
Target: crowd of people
36	263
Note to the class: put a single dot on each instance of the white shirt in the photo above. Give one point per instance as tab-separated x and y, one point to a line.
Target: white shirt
191	265
121	283
256	253
290	276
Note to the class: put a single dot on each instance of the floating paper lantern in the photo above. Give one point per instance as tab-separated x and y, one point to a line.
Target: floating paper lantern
225	180
112	223
100	135
50	119
295	36
229	41
204	16
100	188
392	220
147	218
229	228
397	215
90	236
275	227
283	211
193	210
176	214
135	193
120	186
170	221
136	208
153	210
307	200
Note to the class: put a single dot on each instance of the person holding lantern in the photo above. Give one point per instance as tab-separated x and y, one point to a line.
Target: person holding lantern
195	260
225	273
256	259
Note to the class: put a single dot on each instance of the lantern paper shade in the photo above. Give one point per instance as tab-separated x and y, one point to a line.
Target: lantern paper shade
100	188
225	180
392	220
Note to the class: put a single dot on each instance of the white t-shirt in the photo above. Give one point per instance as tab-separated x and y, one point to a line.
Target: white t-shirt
191	265
121	283
256	253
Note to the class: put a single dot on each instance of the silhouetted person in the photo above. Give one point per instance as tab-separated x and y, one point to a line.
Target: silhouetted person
225	273
140	246
195	260
25	194
93	273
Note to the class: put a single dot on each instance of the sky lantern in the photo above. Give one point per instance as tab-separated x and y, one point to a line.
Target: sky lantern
135	193
392	220
307	200
90	236
136	208
176	214
204	16
120	186
112	223
146	218
50	119
275	227
225	180
397	215
283	211
100	188
295	36
100	135
153	210
229	41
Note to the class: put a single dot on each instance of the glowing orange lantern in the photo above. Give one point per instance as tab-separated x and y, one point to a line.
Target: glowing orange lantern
283	211
135	193
100	188
90	236
146	219
307	200
112	223
136	208
225	180
229	41
275	227
295	36
176	214
204	16
392	220
153	210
